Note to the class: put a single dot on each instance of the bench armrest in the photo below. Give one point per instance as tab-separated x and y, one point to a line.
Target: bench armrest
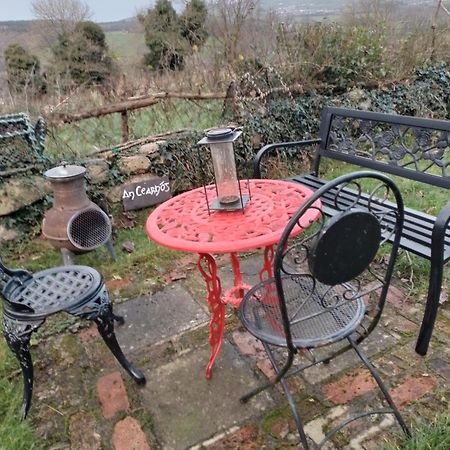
436	274
267	148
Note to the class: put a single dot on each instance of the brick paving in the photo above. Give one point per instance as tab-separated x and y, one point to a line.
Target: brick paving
112	394
166	336
349	386
128	435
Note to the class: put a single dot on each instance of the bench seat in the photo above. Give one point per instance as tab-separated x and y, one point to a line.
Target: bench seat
417	227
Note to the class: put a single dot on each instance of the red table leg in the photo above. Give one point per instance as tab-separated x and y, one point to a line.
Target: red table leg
234	295
267	265
216	306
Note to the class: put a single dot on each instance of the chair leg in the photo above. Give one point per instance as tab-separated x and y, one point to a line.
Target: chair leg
17	335
99	309
280	374
381	385
287	393
105	325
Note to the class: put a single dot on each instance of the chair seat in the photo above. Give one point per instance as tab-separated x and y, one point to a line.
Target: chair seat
50	291
318	314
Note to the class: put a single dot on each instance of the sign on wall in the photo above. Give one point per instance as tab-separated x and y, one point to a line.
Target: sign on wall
145	193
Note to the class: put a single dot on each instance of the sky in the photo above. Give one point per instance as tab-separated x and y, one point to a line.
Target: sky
103	10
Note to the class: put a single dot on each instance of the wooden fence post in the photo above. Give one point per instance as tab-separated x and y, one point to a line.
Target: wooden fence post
125	132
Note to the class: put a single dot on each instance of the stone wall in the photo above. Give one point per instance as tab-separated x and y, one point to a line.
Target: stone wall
19	194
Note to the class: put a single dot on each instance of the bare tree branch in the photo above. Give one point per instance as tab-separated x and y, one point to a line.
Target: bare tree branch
60	16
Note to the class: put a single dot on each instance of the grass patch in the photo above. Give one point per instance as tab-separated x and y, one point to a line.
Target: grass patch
147	262
14	433
426	436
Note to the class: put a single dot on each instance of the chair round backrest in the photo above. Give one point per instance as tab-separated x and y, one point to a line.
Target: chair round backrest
338	251
344	247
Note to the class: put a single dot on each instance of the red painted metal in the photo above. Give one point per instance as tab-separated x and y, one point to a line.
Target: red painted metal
216	307
183	223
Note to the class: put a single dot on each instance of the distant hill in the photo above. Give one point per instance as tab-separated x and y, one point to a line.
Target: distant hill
18	26
23	26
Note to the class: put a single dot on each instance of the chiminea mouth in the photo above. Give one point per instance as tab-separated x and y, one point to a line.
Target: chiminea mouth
88	229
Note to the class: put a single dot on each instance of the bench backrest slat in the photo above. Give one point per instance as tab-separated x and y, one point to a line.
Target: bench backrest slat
410	147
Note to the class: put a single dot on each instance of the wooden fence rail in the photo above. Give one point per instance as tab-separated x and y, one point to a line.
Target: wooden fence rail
125	106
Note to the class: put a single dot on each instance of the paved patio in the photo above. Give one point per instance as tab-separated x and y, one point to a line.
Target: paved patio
83	399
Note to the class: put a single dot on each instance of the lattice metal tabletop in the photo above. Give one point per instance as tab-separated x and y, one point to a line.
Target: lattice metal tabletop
53	290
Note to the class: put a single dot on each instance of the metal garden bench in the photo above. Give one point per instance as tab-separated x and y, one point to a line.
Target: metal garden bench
409	147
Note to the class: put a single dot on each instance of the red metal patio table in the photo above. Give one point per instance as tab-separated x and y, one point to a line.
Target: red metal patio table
183	223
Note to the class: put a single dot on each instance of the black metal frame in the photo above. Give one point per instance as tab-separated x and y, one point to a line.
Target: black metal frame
18	126
328	313
423	234
29	298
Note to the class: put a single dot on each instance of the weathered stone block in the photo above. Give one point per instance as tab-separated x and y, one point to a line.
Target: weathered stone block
349	387
17	193
127	434
131	165
150	148
97	171
7	234
412	388
112	394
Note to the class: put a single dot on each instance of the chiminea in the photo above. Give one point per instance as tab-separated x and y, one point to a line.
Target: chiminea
74	224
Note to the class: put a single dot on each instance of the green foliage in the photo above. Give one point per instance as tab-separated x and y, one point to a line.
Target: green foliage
168	36
23	70
339	55
82	55
163	37
192	22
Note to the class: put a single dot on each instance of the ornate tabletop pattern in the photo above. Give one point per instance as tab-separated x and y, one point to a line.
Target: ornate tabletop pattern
183	222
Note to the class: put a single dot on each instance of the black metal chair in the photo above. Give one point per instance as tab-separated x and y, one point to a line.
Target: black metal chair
29	298
329	285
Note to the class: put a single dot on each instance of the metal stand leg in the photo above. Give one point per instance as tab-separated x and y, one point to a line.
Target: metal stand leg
67	257
18	336
216	307
110	247
100	311
105	325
